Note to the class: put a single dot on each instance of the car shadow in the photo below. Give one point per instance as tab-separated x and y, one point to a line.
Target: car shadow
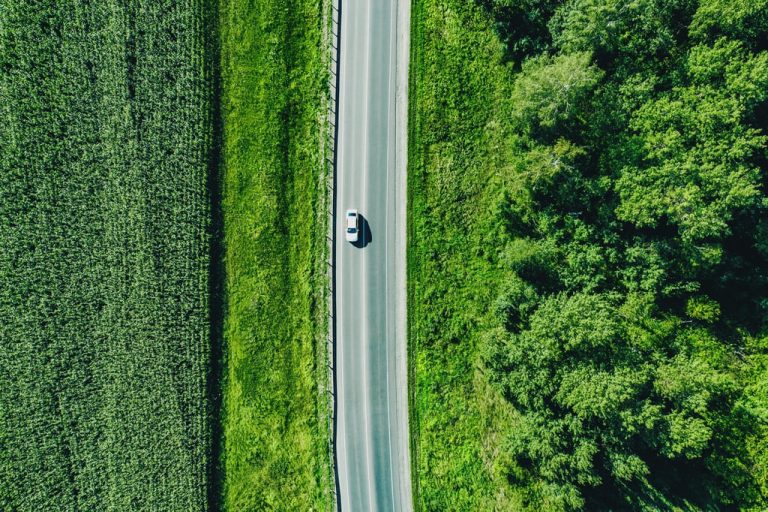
365	236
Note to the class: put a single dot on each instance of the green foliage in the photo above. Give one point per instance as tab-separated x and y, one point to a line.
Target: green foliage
105	123
544	164
755	401
743	19
551	90
275	394
522	25
606	207
516	302
703	308
696	151
597	410
636	28
697	167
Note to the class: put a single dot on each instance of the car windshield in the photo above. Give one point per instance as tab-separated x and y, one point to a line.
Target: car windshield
351	230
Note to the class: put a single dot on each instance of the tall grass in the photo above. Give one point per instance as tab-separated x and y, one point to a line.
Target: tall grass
457	139
274	100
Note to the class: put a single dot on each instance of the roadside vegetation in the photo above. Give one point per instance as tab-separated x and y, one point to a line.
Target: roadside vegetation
106	137
275	392
587	254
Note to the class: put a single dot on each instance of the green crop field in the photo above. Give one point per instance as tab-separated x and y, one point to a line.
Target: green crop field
274	102
105	144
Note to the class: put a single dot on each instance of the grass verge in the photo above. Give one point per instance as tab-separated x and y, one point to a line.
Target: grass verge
274	71
456	135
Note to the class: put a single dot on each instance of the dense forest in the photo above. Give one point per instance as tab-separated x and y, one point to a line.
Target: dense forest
620	230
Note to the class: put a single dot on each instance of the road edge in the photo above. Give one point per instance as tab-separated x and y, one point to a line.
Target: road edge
402	67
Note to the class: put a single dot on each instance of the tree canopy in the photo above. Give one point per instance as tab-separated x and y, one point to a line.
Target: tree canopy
632	322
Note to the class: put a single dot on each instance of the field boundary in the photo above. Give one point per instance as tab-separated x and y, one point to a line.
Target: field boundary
217	277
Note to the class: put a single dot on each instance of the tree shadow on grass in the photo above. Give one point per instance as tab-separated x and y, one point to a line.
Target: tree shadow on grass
521	25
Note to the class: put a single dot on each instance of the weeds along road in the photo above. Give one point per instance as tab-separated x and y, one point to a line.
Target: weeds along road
371	375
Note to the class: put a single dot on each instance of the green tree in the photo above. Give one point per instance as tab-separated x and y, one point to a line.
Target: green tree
551	91
522	25
697	168
608	27
698	159
603	409
744	19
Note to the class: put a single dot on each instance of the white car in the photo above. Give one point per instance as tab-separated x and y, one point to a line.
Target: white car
353	225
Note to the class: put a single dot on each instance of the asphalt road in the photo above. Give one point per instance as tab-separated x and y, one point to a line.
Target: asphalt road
371	378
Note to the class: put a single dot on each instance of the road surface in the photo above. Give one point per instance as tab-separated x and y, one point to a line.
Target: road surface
372	454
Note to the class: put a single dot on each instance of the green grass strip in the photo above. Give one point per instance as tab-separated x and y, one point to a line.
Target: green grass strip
455	142
274	71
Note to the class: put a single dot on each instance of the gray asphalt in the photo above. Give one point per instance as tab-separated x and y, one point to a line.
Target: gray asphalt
371	378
